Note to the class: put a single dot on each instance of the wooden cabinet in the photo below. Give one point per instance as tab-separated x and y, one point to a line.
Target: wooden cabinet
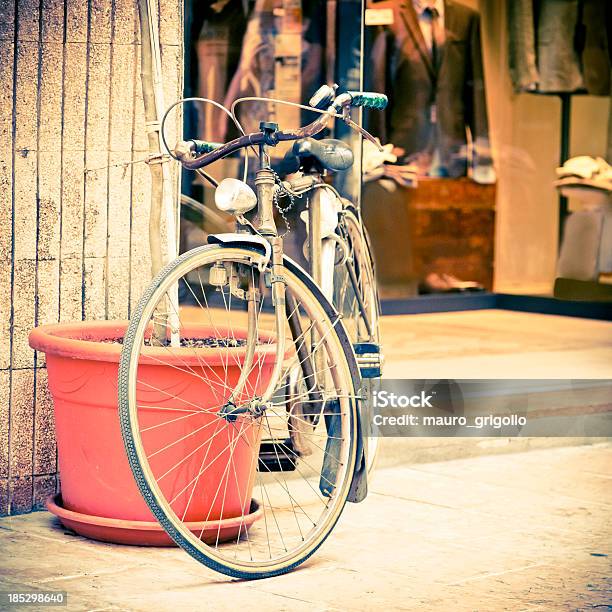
443	225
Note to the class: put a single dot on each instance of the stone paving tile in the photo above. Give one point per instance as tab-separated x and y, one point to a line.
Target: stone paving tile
38	560
561	466
175	590
522	532
575	586
535	525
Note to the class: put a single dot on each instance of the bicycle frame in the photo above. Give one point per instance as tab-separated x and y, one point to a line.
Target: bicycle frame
264	225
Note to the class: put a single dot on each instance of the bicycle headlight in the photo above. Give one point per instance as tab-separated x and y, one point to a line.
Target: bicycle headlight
234	196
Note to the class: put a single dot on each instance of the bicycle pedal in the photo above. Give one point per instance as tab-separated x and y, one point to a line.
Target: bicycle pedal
277	456
369	359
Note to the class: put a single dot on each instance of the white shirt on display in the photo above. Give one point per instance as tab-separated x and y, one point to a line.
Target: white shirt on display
424	17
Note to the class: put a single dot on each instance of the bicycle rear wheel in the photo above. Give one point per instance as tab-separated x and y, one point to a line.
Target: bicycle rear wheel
357	299
222	471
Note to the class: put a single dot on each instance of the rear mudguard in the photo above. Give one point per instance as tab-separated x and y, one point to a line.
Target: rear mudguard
359	485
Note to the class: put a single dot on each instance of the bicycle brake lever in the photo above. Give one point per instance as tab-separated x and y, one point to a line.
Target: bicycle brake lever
183	149
363	132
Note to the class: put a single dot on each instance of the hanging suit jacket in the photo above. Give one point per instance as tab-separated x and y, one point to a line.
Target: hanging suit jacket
431	107
557	46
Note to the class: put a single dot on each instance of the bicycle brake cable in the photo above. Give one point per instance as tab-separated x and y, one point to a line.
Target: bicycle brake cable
206	101
344	116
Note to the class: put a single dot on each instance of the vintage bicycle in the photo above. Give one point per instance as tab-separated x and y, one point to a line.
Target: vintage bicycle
276	363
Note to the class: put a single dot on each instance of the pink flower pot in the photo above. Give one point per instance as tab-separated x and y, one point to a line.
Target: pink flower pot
185	440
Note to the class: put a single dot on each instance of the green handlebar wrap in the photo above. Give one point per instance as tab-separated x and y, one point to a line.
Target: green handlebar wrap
369	99
202	146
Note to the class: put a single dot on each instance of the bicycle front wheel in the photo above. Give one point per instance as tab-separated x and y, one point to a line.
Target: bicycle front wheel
248	487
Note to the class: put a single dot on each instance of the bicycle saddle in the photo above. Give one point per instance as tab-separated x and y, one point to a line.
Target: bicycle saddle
328	153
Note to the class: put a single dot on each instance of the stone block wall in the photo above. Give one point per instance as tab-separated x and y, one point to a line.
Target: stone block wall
74	197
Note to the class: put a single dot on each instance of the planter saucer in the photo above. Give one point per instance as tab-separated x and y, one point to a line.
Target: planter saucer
147	533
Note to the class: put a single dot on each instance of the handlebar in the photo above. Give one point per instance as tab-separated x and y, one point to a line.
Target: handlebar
369	99
208	152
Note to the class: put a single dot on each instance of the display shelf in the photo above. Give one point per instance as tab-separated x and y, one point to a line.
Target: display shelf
504	301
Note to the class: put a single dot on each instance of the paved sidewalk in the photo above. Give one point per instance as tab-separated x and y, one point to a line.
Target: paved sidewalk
496	344
527	531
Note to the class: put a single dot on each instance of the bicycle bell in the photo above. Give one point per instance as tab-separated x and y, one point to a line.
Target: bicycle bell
323	97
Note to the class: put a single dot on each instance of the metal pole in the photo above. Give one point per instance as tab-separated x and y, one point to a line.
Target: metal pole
566	112
162	200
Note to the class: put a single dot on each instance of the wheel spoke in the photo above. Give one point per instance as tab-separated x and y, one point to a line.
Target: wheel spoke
207	455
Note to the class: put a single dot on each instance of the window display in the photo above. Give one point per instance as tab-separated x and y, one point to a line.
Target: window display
277	49
462	198
428	59
481	208
263	48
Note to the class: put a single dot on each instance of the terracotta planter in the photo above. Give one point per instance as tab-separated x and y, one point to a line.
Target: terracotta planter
96	479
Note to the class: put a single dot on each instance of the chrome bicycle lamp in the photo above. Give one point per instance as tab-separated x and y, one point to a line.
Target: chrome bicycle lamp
235	197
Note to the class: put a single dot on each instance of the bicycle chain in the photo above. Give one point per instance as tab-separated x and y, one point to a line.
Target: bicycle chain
280	192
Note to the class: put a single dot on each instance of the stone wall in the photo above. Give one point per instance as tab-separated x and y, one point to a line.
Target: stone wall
73	198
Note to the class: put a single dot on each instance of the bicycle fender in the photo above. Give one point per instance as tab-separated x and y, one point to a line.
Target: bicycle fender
359	484
249	241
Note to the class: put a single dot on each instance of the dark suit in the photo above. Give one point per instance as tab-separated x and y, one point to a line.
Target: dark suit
558	46
402	68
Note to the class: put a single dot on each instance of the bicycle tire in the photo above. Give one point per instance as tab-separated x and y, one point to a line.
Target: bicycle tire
360	242
178	532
